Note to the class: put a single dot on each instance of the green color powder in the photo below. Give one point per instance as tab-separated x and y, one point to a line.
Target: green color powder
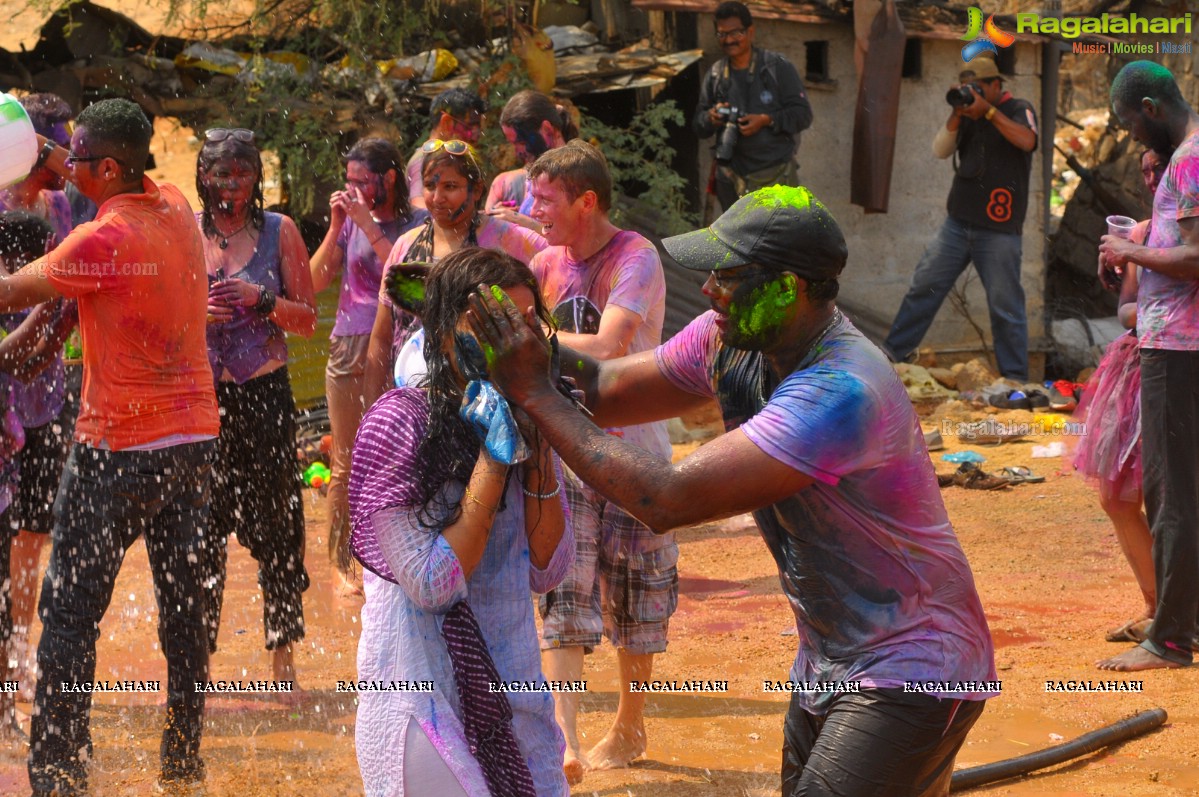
498	293
765	309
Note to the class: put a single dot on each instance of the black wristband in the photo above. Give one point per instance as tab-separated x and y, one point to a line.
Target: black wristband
266	302
44	153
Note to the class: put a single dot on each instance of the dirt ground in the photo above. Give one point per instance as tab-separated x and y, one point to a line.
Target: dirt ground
1051	577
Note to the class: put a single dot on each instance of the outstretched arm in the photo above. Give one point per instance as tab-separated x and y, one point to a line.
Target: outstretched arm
711	483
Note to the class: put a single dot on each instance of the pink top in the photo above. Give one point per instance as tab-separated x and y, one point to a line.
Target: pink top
1168	308
626	273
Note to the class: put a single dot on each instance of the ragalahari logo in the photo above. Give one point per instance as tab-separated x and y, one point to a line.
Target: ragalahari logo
983	37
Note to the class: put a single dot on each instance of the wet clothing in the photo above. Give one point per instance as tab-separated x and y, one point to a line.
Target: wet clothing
876	743
250	340
257	495
402	619
138	274
356	302
1168	323
624	582
107	500
881	590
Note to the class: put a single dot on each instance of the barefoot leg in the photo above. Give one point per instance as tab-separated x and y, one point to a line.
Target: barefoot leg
1132	531
24	570
566	664
1136	660
625	740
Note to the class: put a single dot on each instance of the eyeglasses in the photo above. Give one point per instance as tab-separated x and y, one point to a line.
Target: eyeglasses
218	134
725	278
737	33
454	146
71	159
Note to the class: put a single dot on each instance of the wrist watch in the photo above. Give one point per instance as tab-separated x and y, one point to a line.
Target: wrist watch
44	153
990	114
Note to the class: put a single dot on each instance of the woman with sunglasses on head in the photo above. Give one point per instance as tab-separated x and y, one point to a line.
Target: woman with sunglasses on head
452	540
454	186
364	221
259	289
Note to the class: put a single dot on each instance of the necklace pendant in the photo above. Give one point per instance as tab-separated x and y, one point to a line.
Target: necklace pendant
224	244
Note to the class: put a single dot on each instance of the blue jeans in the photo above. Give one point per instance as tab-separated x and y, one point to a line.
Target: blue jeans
996	256
108	499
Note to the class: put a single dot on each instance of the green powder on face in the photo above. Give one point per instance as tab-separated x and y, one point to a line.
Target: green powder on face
764	310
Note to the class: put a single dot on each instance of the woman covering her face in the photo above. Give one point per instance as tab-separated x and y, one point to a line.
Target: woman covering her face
259	289
452	541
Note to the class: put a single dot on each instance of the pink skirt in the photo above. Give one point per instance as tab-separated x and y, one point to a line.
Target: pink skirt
1110	451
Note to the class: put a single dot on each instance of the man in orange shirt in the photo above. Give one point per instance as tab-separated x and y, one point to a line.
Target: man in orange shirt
144	442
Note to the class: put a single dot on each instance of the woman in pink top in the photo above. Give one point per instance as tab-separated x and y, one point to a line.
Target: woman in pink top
364	221
455	187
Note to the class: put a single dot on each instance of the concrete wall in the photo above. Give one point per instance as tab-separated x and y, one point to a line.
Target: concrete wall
884	248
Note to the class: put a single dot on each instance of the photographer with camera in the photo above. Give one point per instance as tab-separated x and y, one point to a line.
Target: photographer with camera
754	102
992	136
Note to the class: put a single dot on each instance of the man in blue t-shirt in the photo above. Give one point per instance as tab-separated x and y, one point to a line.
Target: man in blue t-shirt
993	138
894	658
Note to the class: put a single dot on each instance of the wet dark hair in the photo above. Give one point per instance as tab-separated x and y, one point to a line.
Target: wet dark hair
527	109
457	103
381	157
120	130
730	9
1142	79
821	291
580	167
230	149
45	111
24	237
450	447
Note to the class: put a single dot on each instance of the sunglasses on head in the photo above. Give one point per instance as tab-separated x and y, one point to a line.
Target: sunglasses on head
218	134
454	146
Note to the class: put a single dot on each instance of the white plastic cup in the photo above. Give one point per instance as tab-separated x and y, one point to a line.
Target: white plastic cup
18	142
1120	226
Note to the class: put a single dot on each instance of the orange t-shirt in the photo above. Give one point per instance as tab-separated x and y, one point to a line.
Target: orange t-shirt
138	274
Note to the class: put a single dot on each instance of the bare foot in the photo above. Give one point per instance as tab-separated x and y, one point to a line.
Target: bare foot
1138	659
619	748
574	764
283	664
12	732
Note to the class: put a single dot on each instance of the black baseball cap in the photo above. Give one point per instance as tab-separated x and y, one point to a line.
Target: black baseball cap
779	227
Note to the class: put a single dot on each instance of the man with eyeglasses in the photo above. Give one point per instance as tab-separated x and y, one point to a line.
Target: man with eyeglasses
754	102
894	656
144	442
992	136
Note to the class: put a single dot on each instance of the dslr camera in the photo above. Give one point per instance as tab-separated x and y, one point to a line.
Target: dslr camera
726	140
961	96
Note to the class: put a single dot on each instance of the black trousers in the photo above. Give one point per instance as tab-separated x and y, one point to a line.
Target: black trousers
875	743
106	501
256	494
1170	457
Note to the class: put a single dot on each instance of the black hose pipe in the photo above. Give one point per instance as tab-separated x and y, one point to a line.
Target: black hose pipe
1121	731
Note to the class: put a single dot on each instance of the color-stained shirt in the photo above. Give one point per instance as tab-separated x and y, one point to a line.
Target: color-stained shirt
39	401
627	273
401	637
138	274
881	590
508	189
1167	307
357	301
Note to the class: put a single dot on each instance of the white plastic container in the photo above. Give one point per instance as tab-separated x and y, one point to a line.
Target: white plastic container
18	142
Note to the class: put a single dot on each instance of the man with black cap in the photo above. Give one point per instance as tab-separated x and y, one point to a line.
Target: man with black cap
992	136
824	448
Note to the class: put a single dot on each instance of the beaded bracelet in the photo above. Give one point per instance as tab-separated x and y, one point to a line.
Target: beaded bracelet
541	496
